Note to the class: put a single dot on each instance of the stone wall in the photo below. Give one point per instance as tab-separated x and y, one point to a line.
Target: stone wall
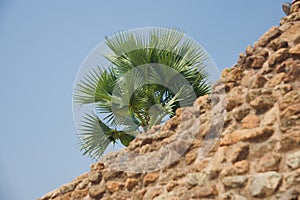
256	156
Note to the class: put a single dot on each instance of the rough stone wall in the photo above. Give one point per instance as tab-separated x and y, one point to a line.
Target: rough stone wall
257	155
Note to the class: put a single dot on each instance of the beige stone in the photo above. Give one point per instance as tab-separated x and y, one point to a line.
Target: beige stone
250	121
233	102
95	176
79	194
66	196
290	116
247	135
264	184
108	174
238	168
193	179
255	93
295	7
270	117
260	51
278	43
241	112
293	97
255	61
97	191
259	81
290	141
189	158
293	160
285	27
131	183
293	17
292	178
260	149
234	181
292	33
225	72
285	88
235	74
97	166
269	162
276	80
295	50
114	186
170	186
120	195
68	187
203	192
268	36
153	192
83	184
150	178
278	56
262	103
200	165
290	194
284	67
249	50
51	194
293	74
140	194
239	152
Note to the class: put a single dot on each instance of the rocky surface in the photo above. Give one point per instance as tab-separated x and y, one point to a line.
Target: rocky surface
254	153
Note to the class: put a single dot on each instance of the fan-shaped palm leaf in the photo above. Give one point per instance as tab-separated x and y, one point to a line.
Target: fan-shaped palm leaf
149	78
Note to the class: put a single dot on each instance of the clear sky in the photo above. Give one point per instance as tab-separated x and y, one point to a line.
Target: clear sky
42	45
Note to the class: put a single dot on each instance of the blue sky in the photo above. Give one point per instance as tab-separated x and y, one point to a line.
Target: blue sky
42	45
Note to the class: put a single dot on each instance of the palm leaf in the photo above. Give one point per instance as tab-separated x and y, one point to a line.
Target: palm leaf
148	79
97	86
94	136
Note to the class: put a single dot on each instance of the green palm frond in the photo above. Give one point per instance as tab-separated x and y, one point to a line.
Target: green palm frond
164	46
94	136
96	86
165	39
150	76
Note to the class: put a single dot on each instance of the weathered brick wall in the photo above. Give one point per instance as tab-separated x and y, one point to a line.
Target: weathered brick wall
257	155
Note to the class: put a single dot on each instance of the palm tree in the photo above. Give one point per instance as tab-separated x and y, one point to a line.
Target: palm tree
148	79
